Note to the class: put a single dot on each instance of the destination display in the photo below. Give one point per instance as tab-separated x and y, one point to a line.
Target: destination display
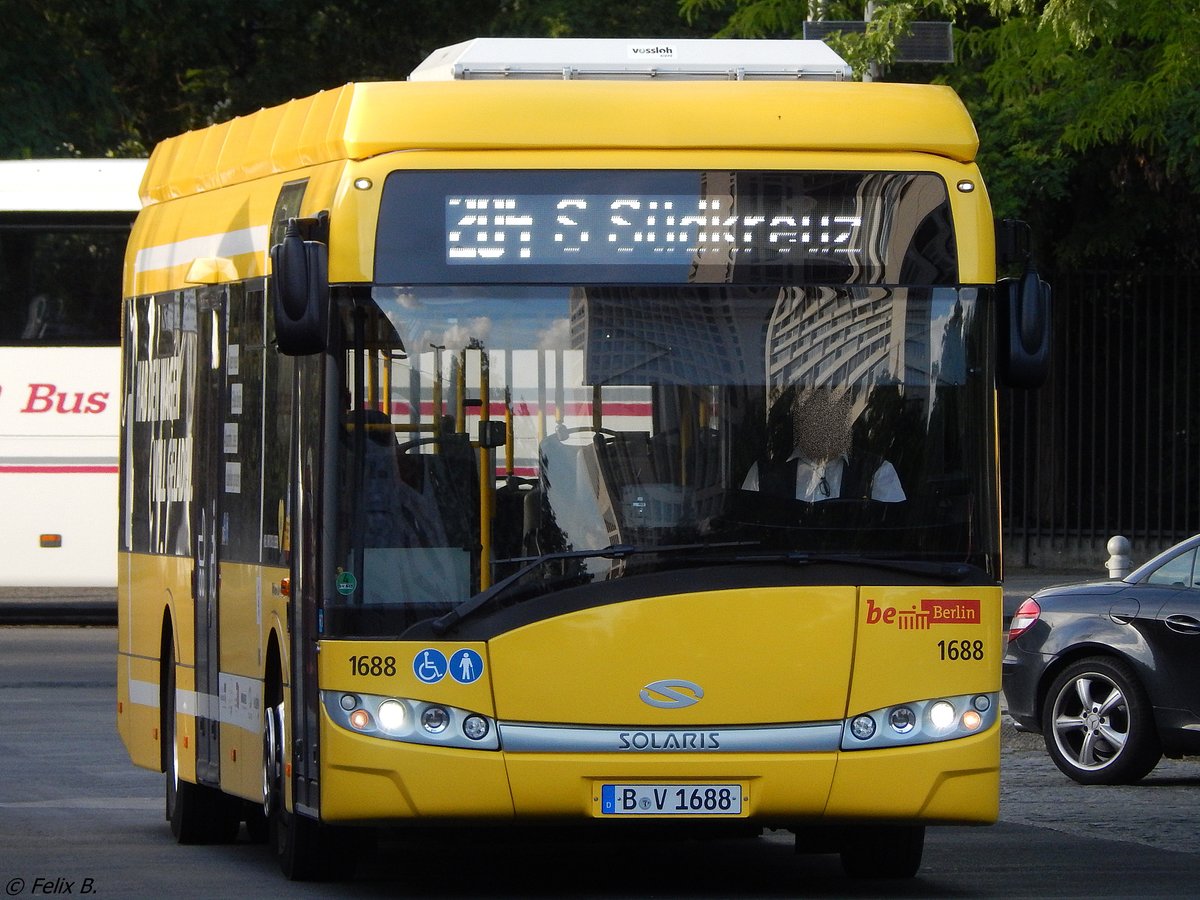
631	227
637	229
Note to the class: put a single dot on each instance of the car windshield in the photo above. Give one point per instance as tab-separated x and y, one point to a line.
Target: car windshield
1174	567
847	421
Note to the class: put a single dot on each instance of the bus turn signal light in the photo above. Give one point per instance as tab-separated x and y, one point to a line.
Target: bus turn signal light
50	540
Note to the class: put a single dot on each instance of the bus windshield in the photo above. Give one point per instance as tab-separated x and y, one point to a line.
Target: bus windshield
628	430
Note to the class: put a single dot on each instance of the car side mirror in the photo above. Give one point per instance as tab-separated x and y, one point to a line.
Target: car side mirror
300	293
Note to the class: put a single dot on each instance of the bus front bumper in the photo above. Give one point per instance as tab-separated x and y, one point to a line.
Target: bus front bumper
368	780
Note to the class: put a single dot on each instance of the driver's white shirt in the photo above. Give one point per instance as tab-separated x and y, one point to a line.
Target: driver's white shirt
816	481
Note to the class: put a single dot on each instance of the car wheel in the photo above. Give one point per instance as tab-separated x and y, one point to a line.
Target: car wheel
1098	723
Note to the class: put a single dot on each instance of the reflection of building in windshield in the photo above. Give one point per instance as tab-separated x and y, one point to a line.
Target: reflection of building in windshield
649	336
950	365
828	337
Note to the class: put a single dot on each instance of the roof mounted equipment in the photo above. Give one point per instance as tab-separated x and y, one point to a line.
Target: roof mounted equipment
619	59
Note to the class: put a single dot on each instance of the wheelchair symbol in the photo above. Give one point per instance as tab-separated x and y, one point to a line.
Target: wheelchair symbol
430	666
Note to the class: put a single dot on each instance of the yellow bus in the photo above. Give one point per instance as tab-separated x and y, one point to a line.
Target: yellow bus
594	433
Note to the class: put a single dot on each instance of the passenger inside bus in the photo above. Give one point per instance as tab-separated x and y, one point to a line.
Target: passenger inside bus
810	454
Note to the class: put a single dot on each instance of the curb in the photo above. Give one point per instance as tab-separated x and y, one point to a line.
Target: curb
1011	739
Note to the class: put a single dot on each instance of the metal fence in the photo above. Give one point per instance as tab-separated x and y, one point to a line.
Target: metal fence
1111	444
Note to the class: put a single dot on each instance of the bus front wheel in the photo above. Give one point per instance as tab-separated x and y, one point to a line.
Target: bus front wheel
301	845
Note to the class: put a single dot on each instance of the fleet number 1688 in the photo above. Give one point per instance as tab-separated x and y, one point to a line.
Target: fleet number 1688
960	651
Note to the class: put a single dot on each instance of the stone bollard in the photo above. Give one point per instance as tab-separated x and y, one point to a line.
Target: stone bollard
1120	563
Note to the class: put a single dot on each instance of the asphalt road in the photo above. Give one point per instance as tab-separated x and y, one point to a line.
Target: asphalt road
75	814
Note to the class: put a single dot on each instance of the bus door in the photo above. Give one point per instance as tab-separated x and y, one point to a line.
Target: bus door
208	484
317	389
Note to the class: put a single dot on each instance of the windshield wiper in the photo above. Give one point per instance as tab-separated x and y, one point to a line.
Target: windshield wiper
442	624
951	572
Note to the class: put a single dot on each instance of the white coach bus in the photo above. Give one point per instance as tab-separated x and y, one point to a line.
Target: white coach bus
63	228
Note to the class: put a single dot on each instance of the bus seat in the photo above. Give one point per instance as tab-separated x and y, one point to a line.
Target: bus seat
570	490
509	528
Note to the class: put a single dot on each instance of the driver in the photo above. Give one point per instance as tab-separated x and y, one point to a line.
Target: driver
809	454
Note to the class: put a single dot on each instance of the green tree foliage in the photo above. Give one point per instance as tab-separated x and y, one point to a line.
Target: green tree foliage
602	18
56	97
1088	110
92	77
96	77
1091	113
786	18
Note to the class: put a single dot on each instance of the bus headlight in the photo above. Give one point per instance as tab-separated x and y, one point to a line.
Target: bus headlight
410	721
902	719
435	719
476	727
392	716
921	722
863	728
941	715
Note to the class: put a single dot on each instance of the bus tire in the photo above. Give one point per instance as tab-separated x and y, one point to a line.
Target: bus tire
198	814
294	839
883	851
305	849
258	829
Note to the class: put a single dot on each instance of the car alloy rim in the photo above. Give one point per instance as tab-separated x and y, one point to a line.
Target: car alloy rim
1091	721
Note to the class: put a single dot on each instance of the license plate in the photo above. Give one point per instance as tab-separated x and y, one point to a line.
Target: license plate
671	799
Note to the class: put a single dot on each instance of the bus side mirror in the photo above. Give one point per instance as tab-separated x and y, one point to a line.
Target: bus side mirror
1023	330
300	293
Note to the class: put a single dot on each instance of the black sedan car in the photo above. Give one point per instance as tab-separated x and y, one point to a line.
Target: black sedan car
1108	672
